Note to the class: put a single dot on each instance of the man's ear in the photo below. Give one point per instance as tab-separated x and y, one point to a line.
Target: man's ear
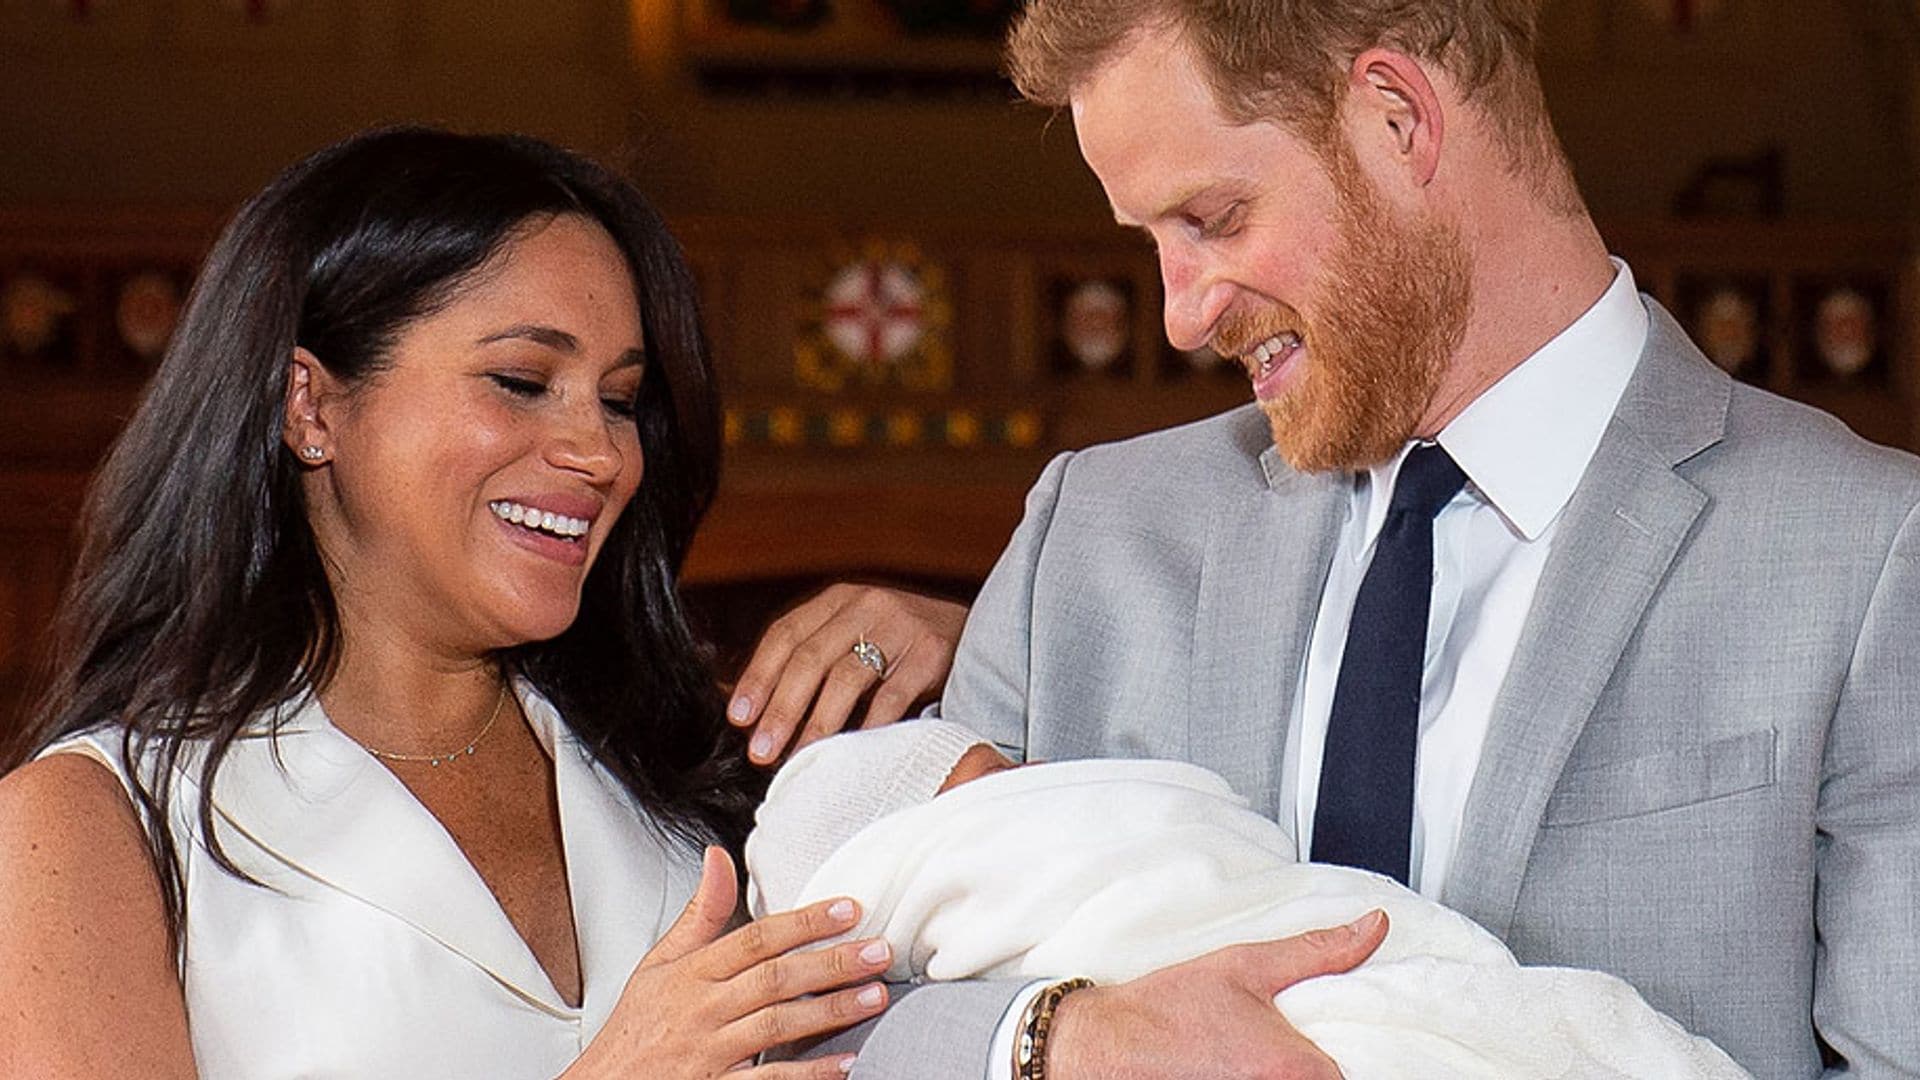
310	389
1397	110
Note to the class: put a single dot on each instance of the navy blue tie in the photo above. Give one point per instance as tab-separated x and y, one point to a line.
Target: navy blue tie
1364	816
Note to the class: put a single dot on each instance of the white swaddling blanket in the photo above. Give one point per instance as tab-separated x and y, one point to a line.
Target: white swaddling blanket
1112	869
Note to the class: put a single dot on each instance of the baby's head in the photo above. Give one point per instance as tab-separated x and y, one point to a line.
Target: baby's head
836	787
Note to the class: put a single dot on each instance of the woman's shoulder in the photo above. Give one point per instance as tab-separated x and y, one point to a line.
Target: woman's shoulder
81	906
69	839
68	804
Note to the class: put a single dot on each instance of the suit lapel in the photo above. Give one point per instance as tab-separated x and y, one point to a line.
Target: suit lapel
1265	562
1612	548
316	802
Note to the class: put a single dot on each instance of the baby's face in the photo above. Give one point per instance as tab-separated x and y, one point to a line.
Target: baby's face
978	761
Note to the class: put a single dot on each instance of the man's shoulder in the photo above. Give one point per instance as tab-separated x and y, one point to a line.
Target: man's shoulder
1220	452
1795	448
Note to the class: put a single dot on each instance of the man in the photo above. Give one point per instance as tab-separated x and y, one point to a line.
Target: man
1633	682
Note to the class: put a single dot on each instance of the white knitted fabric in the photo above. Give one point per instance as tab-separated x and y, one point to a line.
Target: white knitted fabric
833	789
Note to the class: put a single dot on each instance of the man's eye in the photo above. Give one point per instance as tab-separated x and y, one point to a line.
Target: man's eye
517	386
1221	224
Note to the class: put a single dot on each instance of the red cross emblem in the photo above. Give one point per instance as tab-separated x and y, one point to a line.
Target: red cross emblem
875	311
880	317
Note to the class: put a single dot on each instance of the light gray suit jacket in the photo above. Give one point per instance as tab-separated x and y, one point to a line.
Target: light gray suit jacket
1703	770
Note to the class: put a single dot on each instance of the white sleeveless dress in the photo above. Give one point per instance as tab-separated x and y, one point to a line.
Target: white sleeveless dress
377	950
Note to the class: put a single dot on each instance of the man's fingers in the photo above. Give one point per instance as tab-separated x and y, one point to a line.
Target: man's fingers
1280	964
705	915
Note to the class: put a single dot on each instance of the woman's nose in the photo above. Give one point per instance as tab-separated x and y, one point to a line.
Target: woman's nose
581	442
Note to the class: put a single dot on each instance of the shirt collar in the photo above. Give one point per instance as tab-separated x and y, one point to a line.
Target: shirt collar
1526	440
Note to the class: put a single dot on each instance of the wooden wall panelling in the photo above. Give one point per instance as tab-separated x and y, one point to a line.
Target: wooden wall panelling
878	478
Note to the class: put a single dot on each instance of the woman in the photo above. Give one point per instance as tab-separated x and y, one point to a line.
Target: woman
379	744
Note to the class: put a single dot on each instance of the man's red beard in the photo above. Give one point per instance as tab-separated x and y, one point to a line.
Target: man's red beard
1395	299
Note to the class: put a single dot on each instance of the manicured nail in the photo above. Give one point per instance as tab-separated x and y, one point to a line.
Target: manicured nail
870	997
761	748
846	1063
876	952
1366	924
841	911
739	709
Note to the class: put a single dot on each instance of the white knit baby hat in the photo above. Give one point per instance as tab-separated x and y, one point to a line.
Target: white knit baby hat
836	787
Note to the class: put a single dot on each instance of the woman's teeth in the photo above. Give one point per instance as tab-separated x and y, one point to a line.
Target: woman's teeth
566	528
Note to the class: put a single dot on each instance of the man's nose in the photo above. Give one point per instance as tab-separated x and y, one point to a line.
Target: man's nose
1196	297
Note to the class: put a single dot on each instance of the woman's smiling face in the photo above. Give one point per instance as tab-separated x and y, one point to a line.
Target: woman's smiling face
468	486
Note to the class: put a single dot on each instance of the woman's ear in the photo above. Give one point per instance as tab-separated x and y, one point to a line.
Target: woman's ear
309	388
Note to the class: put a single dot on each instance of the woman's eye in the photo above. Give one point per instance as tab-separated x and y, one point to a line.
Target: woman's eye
621	407
517	386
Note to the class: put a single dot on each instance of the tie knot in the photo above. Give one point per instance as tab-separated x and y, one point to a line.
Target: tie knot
1428	481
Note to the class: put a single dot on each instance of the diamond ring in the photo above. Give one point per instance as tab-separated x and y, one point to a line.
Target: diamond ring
870	657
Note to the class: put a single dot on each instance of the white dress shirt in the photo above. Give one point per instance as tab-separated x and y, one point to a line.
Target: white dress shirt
1524	444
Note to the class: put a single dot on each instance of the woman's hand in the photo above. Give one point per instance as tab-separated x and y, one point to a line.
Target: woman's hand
701	1004
804	678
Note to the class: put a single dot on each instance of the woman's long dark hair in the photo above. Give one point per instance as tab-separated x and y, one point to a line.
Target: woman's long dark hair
200	603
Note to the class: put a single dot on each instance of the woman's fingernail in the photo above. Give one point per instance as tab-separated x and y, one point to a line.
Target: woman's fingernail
739	709
876	952
841	910
870	997
846	1063
761	748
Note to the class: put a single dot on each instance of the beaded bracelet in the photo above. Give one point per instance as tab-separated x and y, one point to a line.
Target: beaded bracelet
1030	1049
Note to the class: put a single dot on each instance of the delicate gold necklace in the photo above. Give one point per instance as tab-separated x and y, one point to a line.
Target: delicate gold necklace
465	751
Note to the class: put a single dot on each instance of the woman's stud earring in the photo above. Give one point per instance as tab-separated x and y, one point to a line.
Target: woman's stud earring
311	453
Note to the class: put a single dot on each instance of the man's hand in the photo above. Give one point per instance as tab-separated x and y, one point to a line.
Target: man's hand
805	680
1213	1017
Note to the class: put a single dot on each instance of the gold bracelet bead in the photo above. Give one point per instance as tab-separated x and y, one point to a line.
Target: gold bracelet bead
1030	1047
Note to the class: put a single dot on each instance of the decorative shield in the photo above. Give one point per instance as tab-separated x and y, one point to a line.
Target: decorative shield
880	319
31	311
1846	331
1094	324
146	312
1729	329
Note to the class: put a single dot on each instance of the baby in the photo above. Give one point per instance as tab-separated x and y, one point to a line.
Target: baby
973	868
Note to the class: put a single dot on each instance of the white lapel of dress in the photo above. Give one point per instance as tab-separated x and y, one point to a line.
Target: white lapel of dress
1617	538
627	880
316	801
1267	553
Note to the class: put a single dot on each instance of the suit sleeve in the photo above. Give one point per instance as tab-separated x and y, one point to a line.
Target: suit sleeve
1867	837
987	690
944	1031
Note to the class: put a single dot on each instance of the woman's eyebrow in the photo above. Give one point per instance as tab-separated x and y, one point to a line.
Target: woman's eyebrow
551	337
558	340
